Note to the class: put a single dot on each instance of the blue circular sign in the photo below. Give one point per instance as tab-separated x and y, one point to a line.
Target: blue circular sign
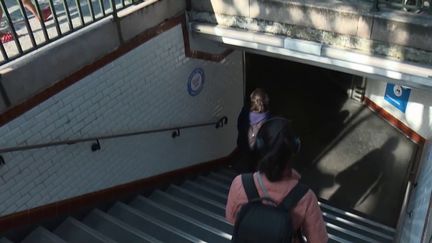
196	81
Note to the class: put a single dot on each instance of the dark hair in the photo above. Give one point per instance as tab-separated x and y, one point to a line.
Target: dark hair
259	101
276	144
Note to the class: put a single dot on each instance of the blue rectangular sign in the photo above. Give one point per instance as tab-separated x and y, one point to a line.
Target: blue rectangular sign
398	96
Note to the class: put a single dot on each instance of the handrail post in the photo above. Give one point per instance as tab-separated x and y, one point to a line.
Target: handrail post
42	22
80	12
27	24
55	17
221	122
4	94
12	27
114	9
375	6
95	146
175	133
116	20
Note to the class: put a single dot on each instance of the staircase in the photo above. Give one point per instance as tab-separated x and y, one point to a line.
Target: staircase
191	212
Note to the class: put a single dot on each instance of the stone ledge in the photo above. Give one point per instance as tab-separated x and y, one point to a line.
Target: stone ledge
363	45
343	18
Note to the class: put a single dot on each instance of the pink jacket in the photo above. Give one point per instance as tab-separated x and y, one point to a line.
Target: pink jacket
306	215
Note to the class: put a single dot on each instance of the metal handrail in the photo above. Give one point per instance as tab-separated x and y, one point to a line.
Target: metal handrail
176	132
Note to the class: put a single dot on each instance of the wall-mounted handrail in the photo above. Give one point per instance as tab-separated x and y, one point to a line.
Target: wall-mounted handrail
218	124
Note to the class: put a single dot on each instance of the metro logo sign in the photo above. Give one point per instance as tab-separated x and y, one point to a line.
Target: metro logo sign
398	96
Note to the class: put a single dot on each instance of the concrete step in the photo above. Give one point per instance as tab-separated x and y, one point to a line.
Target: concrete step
115	229
72	230
360	229
227	172
5	240
213	184
221	178
196	199
180	221
154	227
205	192
336	239
191	210
353	220
347	235
42	235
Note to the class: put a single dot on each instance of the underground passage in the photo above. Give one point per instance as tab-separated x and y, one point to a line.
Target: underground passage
350	156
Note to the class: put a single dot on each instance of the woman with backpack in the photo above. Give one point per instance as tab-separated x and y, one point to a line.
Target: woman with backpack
275	179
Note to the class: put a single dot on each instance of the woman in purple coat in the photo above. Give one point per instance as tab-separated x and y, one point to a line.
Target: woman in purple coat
250	120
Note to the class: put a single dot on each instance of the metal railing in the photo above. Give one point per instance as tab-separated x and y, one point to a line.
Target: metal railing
410	5
414	6
96	145
26	26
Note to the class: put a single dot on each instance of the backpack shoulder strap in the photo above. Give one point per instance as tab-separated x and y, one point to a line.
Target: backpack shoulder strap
294	196
249	186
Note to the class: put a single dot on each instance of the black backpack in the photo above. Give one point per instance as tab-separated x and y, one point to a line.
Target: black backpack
258	222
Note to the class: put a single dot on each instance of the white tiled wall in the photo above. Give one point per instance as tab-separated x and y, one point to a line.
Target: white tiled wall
144	89
418	115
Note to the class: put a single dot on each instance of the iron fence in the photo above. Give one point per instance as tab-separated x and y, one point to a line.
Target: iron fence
414	6
26	26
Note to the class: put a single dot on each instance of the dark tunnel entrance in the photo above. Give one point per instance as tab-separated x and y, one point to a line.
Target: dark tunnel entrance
350	156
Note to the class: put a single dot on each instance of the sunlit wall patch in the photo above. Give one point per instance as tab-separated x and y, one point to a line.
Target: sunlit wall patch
196	81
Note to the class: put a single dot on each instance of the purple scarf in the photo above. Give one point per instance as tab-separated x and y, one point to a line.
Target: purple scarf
255	117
